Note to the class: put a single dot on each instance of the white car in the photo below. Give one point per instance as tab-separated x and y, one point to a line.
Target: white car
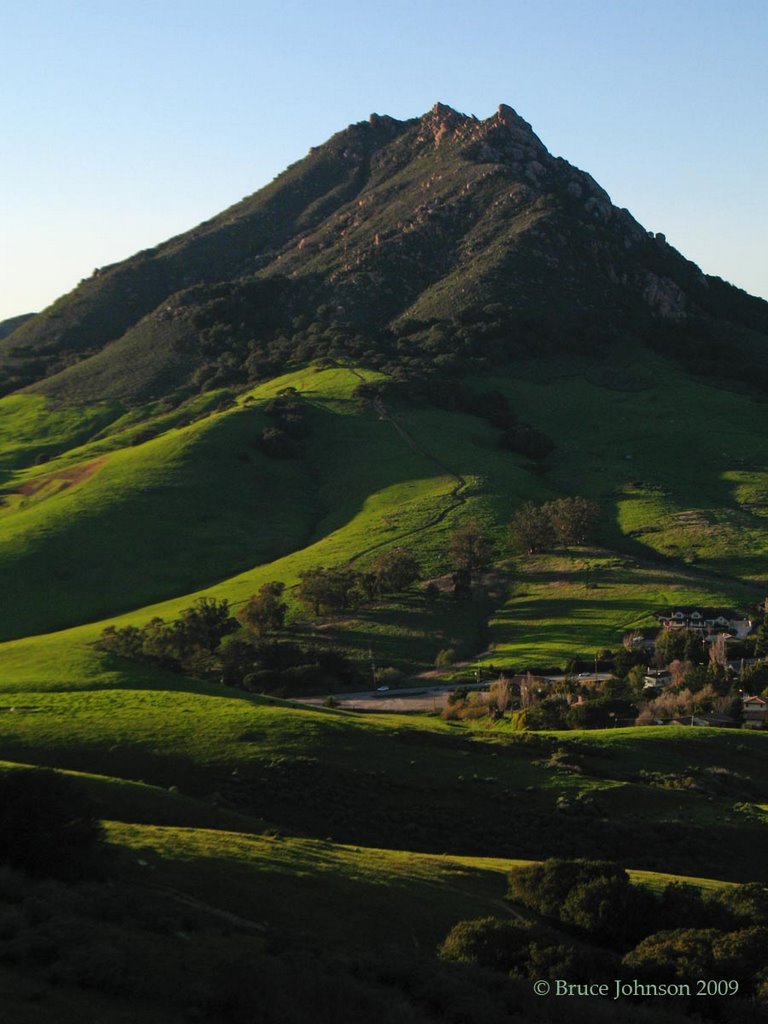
382	689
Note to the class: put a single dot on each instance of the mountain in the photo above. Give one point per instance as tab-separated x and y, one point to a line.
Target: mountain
441	240
416	335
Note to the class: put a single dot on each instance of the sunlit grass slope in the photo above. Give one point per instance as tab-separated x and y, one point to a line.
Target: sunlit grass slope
681	465
182	507
561	607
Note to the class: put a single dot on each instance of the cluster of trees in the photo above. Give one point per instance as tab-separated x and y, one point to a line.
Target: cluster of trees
250	330
585	908
208	642
339	588
564	521
188	644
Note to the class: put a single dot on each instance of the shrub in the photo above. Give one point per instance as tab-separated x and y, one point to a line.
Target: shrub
445	657
501	945
388	676
545	887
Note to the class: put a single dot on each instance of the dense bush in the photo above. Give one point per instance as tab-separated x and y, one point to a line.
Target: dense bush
501	945
595	897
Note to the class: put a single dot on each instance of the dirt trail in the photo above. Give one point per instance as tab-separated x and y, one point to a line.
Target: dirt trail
195	904
488	901
251	925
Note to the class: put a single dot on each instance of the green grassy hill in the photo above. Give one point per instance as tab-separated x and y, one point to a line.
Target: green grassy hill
237	816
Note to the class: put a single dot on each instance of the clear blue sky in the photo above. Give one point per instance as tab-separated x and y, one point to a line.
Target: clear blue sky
126	122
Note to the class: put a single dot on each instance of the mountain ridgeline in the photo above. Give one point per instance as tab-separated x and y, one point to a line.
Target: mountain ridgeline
436	243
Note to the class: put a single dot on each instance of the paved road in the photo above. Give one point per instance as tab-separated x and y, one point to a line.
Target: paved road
416	698
404	698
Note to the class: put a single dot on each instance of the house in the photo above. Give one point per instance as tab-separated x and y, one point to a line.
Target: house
755	710
710	623
654	683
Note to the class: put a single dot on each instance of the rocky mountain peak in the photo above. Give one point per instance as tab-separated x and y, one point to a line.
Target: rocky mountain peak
441	122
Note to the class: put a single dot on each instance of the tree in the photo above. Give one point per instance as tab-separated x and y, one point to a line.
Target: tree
573	520
718	655
678	644
599	907
527	440
531	529
395	570
676	955
207	622
761	638
333	589
545	886
755	677
265	612
548	714
160	642
529	691
500	696
238	657
125	641
471	547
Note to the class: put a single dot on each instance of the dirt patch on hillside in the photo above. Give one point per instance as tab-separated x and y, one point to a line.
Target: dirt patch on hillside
64	477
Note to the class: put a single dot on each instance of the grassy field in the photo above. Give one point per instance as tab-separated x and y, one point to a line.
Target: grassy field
679	464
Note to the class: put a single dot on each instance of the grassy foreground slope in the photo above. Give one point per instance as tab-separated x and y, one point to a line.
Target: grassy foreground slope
688	801
333	891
